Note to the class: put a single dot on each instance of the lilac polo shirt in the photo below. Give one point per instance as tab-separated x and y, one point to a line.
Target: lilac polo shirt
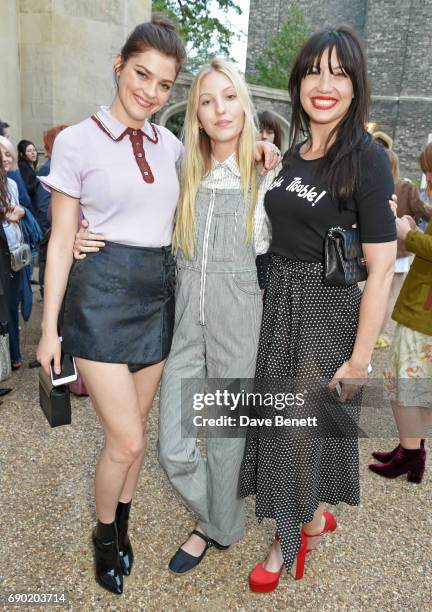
127	186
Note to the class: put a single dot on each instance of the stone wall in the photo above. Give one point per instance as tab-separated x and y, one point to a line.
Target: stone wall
266	17
10	90
399	49
66	50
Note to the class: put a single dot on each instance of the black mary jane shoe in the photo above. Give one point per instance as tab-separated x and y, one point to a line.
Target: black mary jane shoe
108	569
183	562
125	547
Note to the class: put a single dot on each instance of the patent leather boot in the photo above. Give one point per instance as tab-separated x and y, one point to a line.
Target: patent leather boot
125	547
108	569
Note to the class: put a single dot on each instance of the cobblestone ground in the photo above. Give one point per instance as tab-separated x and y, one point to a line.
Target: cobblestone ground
380	557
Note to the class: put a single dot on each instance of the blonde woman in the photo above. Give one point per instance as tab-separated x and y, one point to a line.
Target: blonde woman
218	234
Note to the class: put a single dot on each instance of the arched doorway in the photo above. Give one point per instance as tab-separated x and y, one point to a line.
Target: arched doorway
173	118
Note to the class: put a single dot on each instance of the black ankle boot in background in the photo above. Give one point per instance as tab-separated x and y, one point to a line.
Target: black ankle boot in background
125	547
108	567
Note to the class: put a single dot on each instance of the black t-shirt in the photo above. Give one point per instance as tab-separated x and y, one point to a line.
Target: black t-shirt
301	209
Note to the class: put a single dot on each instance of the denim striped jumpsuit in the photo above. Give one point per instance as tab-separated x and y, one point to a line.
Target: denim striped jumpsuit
217	320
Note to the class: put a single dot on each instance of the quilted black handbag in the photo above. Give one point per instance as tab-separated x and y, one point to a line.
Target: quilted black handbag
344	263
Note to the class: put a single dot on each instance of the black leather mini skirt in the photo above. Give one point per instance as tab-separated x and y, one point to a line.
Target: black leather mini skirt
119	306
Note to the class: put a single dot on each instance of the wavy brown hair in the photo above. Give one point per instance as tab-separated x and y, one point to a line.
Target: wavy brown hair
425	161
340	166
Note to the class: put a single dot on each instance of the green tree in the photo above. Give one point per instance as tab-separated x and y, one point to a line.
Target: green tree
274	64
203	34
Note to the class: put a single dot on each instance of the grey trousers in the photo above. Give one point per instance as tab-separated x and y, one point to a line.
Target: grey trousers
225	346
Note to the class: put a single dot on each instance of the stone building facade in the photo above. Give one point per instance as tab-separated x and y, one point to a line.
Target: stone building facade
398	39
58	57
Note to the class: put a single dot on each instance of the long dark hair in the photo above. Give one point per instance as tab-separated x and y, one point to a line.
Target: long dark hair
268	121
341	164
22	147
4	194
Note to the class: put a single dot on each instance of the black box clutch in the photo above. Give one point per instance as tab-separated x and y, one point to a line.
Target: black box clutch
54	401
344	262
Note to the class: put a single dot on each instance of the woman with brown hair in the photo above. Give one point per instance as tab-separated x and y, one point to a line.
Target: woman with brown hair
425	160
116	165
270	128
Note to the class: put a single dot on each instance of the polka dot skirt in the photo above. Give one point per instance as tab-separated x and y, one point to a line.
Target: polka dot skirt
308	331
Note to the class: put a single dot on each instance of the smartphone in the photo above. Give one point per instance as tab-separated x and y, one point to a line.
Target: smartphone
68	371
338	388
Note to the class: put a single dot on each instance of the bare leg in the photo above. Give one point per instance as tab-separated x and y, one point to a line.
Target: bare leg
413	424
112	390
146	383
275	559
317	524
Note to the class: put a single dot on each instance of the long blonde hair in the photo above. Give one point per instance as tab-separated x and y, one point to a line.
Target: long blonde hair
5	143
197	159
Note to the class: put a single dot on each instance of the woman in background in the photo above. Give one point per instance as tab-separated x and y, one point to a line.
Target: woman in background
409	203
270	128
409	375
27	163
14	173
12	213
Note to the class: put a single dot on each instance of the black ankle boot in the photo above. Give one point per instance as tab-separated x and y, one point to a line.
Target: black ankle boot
125	547
108	567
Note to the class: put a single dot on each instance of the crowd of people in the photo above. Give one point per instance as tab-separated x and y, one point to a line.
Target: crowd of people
25	224
205	260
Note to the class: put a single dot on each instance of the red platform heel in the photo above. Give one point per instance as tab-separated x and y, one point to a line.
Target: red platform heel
263	581
297	568
330	525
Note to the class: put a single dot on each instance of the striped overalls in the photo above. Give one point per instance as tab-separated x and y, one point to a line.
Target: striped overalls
217	319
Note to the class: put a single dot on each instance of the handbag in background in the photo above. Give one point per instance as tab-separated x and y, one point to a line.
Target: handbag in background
54	401
21	254
344	262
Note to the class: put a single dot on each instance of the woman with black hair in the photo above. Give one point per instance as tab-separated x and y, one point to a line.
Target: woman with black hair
315	338
270	128
27	163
